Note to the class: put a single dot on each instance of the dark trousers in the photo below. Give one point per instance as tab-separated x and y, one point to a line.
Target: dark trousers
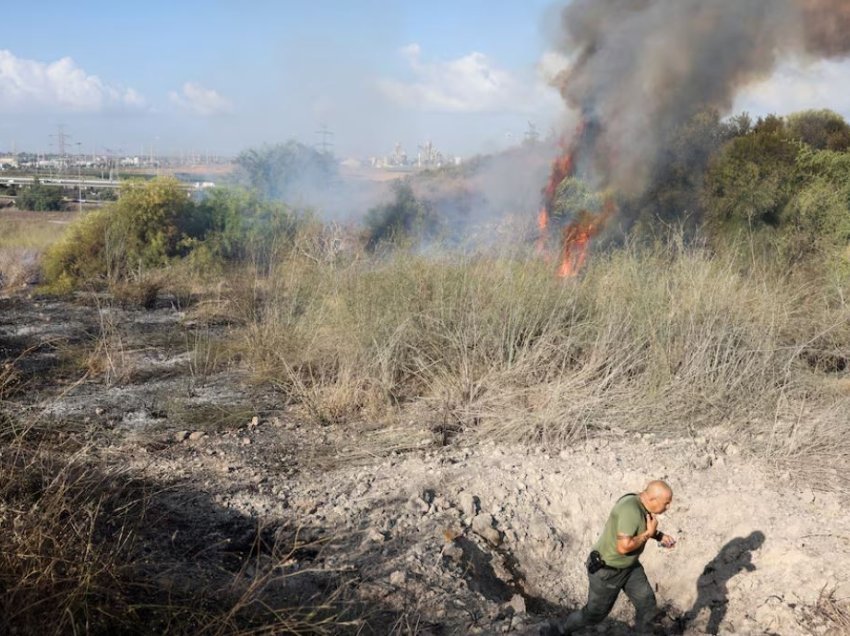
605	586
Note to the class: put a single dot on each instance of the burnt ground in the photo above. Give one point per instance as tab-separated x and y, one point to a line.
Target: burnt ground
409	535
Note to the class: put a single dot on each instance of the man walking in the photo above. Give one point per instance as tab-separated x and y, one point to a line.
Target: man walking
614	562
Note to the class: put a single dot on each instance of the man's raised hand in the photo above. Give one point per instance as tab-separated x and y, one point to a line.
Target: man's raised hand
651	524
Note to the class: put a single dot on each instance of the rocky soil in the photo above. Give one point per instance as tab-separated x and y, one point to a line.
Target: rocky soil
463	538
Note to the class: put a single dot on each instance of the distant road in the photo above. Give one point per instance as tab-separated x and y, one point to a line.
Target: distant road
73	182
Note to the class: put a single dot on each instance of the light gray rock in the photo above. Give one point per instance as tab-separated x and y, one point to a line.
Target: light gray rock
441	503
539	529
702	462
517	602
469	504
194	436
482	525
453	552
416	505
398	578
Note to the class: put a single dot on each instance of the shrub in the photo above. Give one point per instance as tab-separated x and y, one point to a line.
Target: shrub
239	224
820	129
83	254
751	181
40	197
155	222
151	223
405	218
286	171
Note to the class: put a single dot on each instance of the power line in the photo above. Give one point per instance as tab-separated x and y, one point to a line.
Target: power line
61	138
324	145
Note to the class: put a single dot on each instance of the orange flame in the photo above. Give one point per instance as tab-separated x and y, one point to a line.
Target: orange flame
575	239
543	219
562	167
576	236
542	225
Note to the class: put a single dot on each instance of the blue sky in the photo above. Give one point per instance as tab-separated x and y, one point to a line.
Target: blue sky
223	76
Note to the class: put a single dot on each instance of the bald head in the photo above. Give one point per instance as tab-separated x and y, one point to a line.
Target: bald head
656	497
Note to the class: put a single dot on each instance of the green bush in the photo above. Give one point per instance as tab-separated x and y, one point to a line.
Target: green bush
150	223
155	222
781	191
751	180
240	224
81	254
405	218
816	222
820	129
40	197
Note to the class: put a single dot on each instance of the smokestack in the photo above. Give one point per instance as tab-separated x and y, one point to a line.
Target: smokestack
642	68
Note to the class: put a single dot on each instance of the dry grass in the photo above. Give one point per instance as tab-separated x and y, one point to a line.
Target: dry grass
89	548
659	338
23	238
830	615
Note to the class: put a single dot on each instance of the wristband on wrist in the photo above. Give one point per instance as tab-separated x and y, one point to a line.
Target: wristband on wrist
658	535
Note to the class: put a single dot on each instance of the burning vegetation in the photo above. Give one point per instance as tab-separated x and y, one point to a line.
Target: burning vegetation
641	71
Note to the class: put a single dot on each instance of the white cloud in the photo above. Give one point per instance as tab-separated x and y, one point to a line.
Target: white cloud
60	85
799	85
199	100
468	84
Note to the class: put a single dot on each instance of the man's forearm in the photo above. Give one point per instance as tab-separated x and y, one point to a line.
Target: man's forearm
630	544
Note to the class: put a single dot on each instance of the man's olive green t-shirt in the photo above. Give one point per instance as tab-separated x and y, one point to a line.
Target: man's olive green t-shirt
628	517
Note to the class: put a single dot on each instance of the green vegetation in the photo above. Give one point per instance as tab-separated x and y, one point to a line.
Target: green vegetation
786	194
155	223
40	198
149	224
405	218
239	224
285	171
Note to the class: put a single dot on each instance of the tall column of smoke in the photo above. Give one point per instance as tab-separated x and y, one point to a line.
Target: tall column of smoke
641	68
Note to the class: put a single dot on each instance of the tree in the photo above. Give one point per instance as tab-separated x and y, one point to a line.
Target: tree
40	197
151	223
286	172
816	222
239	223
820	129
404	218
674	193
751	180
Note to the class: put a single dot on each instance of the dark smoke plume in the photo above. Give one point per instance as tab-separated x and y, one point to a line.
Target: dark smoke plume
641	68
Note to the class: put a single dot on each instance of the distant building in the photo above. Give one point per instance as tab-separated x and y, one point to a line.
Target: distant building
9	162
426	157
